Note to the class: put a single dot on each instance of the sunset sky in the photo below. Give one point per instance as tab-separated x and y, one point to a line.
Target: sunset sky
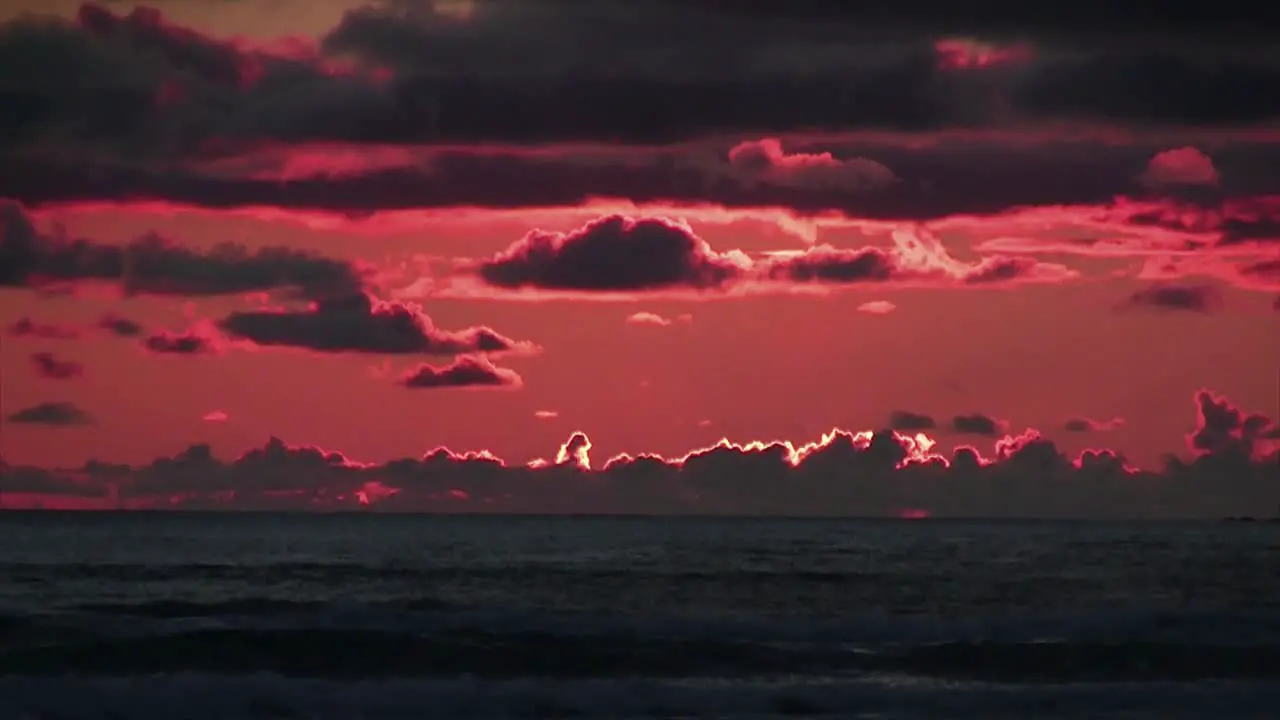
381	229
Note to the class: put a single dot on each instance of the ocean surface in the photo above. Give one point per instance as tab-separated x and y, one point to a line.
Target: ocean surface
176	616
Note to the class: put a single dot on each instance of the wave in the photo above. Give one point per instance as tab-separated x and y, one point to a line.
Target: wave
425	639
204	697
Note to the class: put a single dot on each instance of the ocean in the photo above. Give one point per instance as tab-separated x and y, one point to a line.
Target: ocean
363	616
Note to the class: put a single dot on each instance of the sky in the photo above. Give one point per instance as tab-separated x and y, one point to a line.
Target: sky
691	257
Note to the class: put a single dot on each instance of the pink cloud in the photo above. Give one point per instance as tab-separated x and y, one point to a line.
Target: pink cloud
877	307
1181	166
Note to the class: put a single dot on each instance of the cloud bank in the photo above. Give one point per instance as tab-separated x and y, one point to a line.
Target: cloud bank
1232	470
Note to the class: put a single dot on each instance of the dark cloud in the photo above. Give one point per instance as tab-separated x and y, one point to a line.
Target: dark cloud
59	414
1027	475
934	171
26	327
48	366
977	424
153	265
1086	425
908	421
362	323
612	253
466	371
118	325
934	174
529	71
197	340
1222	427
618	254
1200	298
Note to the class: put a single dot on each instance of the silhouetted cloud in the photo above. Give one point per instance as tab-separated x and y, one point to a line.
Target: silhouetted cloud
48	366
842	473
614	253
59	414
154	265
1222	427
906	420
362	323
122	326
1199	298
977	424
465	371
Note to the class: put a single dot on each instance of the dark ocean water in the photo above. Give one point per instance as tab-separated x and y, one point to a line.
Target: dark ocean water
377	616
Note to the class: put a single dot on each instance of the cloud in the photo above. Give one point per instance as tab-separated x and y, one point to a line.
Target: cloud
28	328
48	366
616	256
465	371
614	253
546	414
58	414
118	325
1231	472
156	266
216	416
1181	166
1087	425
200	339
977	424
1020	169
908	421
364	324
654	319
388	74
877	307
916	257
1191	298
765	161
1186	237
1221	427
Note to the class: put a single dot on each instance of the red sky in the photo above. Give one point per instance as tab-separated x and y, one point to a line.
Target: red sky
972	244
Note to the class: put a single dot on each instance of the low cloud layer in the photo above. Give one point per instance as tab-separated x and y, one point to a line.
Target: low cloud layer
1234	455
